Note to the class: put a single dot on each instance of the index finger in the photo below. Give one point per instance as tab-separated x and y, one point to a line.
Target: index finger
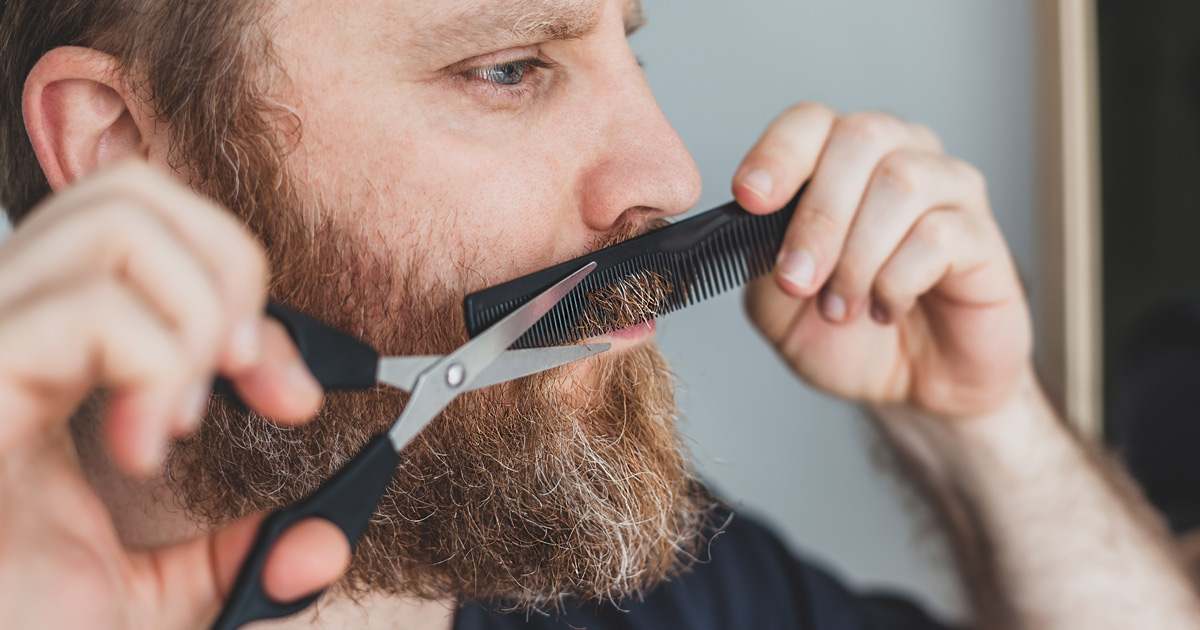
232	256
783	158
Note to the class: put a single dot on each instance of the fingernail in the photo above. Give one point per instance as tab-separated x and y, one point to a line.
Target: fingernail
247	342
300	379
798	267
759	182
879	314
196	404
834	307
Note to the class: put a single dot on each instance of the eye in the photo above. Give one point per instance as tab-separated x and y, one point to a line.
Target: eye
510	73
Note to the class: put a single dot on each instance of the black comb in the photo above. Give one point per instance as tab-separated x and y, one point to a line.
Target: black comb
693	260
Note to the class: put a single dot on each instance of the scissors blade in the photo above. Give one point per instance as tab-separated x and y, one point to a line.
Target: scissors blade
455	373
402	372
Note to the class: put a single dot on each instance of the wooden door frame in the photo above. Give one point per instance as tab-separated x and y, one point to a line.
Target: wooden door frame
1070	351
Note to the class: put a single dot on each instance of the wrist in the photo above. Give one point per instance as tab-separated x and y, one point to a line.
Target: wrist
1000	444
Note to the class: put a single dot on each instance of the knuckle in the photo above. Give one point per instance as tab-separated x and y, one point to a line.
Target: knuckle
776	148
927	138
260	265
886	289
974	177
896	286
902	172
810	109
850	279
134	173
252	271
121	322
254	260
818	225
128	216
203	321
935	232
109	304
124	227
240	266
105	298
869	126
127	168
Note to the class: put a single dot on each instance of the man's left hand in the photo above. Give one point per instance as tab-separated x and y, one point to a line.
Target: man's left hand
895	285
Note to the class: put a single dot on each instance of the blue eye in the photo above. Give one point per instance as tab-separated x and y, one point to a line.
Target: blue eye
511	73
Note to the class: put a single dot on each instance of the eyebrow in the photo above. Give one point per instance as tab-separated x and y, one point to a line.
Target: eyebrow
496	24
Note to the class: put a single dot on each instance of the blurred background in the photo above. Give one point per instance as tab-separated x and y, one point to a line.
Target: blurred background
1149	69
977	73
1150	91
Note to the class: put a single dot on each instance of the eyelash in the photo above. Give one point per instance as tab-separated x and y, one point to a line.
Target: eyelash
531	75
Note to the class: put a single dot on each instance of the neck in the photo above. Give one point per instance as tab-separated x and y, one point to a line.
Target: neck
145	515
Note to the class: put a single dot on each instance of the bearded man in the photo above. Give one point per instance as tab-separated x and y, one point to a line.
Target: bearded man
170	164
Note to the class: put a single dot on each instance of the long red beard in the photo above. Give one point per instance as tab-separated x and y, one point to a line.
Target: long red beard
521	494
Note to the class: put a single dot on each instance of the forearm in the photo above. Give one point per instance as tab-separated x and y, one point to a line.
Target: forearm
1049	534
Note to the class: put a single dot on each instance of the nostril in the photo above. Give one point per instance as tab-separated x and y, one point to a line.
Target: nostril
633	222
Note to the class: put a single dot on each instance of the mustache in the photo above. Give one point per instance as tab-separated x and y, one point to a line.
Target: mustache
632	300
627	230
333	258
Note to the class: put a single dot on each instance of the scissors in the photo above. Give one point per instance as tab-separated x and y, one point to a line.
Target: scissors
339	361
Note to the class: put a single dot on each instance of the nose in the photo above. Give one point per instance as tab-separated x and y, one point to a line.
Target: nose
641	168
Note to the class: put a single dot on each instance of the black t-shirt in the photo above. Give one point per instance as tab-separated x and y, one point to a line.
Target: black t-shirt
751	581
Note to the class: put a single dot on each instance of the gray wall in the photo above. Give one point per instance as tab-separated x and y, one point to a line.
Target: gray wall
803	460
772	445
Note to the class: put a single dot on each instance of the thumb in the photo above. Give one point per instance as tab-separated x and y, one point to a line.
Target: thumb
185	585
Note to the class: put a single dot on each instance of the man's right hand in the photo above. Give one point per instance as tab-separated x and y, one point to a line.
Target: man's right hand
132	285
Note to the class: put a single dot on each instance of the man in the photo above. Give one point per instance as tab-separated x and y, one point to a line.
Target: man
390	157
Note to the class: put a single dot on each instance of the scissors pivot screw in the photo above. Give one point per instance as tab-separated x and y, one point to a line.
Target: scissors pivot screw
456	374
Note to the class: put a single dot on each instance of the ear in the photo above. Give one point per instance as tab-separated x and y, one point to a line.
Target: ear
81	116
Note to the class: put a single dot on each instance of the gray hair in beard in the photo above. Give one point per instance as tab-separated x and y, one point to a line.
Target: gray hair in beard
524	495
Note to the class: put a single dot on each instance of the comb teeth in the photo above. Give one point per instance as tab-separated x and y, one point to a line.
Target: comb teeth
694	259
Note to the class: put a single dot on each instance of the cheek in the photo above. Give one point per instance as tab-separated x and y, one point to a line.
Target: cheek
483	203
460	210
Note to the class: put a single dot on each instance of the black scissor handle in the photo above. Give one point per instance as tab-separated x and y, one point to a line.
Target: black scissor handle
347	499
337	360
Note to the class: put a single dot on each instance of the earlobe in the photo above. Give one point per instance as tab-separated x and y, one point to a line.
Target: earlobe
79	116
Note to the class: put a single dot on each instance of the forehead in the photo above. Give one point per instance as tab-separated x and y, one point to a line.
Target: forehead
438	22
430	27
523	14
438	28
